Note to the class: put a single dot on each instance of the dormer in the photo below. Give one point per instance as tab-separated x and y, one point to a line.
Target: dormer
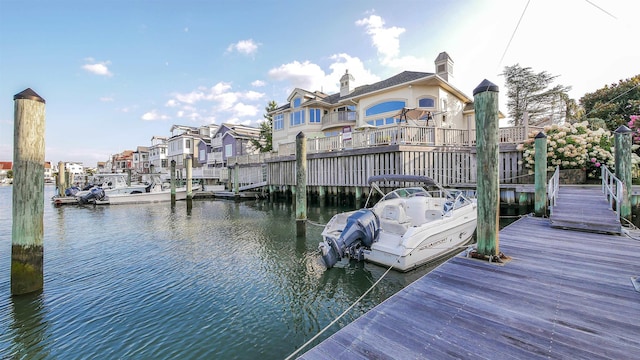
444	66
345	83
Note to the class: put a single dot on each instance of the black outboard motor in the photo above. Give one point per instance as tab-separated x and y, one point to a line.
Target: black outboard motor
95	193
361	230
72	191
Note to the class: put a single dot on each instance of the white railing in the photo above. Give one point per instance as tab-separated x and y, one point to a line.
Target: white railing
553	187
249	159
205	173
216	142
612	188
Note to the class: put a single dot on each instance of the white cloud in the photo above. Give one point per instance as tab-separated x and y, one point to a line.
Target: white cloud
106	99
385	39
253	95
258	83
243	110
305	75
154	115
246	47
98	68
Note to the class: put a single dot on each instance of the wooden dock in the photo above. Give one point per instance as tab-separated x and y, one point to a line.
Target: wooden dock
584	208
564	294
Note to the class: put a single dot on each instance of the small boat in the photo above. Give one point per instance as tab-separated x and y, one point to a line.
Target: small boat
109	183
157	193
407	228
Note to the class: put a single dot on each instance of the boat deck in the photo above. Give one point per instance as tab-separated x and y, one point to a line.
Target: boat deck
564	294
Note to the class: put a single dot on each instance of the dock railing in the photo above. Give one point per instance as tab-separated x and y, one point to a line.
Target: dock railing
612	188
553	187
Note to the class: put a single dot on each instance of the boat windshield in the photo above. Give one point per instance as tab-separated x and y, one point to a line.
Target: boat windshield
406	193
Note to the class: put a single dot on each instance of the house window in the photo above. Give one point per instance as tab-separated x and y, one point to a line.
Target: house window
202	155
228	150
315	116
382	121
278	122
384	107
426	103
188	144
297	117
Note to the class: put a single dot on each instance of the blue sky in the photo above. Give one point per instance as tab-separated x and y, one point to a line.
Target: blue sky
116	73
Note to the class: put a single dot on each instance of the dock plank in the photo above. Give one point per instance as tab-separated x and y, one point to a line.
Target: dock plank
564	294
584	208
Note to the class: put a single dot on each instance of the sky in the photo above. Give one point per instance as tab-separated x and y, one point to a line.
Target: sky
116	73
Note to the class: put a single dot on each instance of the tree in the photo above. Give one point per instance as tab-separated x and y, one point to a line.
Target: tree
529	92
265	142
614	103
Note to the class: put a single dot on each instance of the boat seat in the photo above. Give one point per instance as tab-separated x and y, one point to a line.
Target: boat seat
431	215
394	219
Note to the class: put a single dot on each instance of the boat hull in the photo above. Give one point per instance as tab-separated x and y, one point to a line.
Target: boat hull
141	198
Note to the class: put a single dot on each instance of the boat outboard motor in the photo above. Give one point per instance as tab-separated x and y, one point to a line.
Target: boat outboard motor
362	229
72	191
95	193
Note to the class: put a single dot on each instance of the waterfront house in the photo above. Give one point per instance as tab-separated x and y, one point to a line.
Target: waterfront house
5	167
158	162
417	98
140	161
122	162
184	142
229	140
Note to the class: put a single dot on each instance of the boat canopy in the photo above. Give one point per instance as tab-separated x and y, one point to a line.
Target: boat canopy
402	178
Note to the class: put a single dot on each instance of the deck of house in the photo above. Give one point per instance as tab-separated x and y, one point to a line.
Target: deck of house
564	294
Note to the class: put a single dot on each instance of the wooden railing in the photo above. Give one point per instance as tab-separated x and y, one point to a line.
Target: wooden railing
553	187
612	188
403	134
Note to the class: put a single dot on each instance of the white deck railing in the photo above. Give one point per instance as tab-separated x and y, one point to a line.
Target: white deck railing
553	187
612	188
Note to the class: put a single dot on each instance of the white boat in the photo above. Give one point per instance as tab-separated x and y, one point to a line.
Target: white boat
157	193
109	183
407	228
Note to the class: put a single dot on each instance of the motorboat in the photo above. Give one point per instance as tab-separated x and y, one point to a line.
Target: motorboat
156	193
111	184
408	227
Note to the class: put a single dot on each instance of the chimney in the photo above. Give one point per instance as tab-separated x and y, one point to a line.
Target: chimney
444	66
345	83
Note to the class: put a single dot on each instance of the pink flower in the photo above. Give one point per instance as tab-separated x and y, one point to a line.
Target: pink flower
597	164
593	160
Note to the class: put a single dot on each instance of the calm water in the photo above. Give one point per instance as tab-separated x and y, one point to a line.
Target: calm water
225	281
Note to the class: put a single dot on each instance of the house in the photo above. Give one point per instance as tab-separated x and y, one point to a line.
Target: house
158	162
5	167
231	140
122	162
432	99
184	142
140	161
48	172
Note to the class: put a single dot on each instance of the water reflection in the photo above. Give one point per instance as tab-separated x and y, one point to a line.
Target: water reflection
29	327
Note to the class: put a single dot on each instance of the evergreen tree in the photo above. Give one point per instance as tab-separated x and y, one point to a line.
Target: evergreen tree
265	142
529	92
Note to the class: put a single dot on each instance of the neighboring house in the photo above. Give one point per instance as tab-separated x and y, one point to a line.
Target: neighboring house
5	166
74	168
122	162
101	167
204	148
435	100
231	140
48	172
140	161
185	140
158	154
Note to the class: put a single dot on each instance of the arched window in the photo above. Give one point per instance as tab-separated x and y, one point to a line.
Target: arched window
426	102
384	107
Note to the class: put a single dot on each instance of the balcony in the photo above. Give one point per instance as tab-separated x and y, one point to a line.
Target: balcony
338	119
216	142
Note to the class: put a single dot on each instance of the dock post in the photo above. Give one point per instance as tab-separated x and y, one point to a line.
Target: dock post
128	177
236	184
623	142
540	177
358	196
27	232
173	182
189	176
486	108
61	179
301	183
322	195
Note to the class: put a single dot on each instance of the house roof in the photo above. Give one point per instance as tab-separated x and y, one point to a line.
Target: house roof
6	165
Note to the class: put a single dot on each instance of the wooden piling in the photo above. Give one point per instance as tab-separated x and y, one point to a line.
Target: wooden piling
540	177
128	177
486	108
27	231
61	179
236	183
623	142
301	183
173	182
189	161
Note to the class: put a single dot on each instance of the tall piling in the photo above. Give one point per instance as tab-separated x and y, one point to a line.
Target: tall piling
540	177
61	179
173	182
623	141
27	232
485	98
189	161
301	183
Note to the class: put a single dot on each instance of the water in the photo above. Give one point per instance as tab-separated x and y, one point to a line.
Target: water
224	280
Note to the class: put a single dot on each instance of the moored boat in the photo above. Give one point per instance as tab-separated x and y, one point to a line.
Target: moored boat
409	227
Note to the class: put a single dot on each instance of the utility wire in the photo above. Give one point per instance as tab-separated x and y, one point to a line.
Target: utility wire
601	9
514	33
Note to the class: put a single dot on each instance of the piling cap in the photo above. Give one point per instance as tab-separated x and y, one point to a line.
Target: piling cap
29	95
300	135
541	135
622	129
485	85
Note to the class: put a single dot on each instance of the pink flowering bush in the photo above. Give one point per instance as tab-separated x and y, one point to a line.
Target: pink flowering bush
634	125
572	146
